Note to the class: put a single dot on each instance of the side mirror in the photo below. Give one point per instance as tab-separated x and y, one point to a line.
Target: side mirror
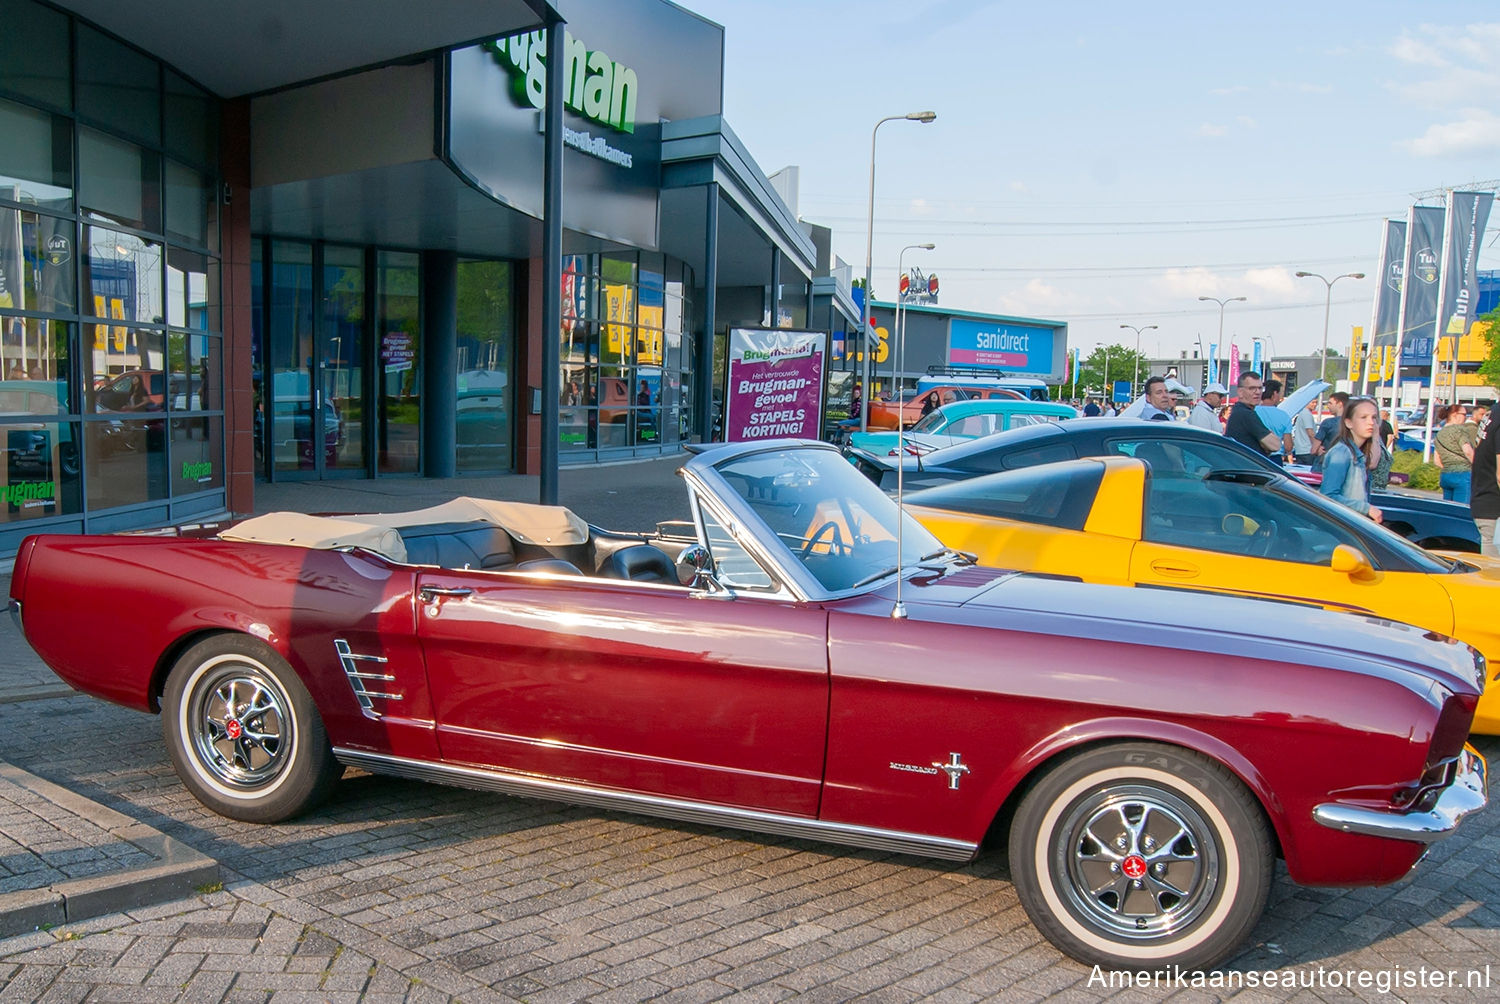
1352	562
695	569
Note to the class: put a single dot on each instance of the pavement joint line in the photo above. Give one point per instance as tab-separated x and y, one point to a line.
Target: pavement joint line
176	870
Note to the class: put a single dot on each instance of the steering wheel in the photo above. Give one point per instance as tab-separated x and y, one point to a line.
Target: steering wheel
1262	539
835	541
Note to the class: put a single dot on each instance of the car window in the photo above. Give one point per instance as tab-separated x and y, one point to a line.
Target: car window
1186	456
1228	513
1059	495
969	425
930	422
733	565
995	460
1021	418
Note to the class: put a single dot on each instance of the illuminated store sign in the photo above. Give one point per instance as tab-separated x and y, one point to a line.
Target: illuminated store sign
594	86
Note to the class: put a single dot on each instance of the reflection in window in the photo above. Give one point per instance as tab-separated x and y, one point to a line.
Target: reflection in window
486	328
191	205
126	461
197	455
192	290
36	159
122	276
733	565
45	256
119	181
124	370
397	287
34	348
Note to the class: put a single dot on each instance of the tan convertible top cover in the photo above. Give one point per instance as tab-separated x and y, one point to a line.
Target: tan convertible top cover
526	522
326	532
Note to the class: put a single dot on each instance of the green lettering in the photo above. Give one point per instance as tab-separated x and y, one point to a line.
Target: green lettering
622	99
594	86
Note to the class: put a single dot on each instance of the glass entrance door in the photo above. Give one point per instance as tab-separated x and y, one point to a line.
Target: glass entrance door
314	402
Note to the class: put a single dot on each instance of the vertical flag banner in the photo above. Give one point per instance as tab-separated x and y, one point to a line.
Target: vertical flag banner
1468	213
1421	266
1212	367
775	384
1356	354
1234	364
1255	358
1388	293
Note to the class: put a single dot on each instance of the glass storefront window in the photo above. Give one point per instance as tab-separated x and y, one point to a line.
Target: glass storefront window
119	181
290	355
192	123
197	455
36	159
206	371
125	371
34	59
118	87
121	276
192	290
39	461
45	255
192	205
126	461
36	349
486	334
398	325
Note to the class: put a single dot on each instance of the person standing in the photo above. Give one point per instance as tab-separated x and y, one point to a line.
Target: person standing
1347	463
1244	425
1484	496
1205	414
1278	421
1091	410
1158	406
1304	426
1328	429
1453	450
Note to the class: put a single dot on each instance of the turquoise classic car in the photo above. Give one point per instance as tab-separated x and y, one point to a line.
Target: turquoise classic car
961	421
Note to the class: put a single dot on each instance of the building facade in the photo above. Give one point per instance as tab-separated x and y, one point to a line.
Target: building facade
241	243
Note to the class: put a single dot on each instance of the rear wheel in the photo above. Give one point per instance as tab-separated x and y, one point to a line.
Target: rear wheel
1142	856
243	732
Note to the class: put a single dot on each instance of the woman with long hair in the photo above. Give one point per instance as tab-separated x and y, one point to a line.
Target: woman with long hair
1356	449
1453	449
930	403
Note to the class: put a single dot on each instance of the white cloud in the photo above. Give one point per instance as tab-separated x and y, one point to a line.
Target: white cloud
1455	72
1278	281
919	207
1211	129
1477	132
1036	297
1178	283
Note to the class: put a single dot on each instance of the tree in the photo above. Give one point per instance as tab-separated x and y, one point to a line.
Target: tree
1094	380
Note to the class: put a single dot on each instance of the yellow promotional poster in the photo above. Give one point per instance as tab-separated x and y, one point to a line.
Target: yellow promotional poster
1387	362
619	318
1356	353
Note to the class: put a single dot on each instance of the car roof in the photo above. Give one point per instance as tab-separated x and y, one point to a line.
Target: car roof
1004	405
1080	429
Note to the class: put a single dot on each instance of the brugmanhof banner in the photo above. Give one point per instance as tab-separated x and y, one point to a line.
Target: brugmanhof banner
775	384
1468	212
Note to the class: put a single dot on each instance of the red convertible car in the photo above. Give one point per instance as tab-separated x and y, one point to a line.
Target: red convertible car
827	671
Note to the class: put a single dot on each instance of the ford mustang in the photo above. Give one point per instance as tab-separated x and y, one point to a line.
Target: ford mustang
801	659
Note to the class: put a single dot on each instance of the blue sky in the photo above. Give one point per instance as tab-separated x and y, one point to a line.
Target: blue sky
1107	163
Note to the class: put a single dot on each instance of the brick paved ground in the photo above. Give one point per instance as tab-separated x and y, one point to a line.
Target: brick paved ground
399	891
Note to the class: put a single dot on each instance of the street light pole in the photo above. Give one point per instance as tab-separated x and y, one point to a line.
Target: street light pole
899	611
864	330
1107	395
1327	308
1221	303
1136	376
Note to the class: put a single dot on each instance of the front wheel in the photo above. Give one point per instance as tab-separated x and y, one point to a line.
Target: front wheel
243	732
1141	856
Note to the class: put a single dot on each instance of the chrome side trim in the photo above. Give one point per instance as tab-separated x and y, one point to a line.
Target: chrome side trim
1465	795
15	615
651	805
350	660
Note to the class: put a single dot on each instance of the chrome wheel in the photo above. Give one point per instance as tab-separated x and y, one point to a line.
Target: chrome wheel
241	725
1137	861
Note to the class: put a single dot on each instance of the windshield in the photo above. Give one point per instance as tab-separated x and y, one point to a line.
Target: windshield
832	520
930	422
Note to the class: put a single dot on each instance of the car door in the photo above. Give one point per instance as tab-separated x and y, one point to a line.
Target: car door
1236	533
643	687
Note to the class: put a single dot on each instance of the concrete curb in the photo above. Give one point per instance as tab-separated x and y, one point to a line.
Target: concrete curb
176	870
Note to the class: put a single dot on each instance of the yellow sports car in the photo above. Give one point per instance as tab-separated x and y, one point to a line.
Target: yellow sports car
1165	522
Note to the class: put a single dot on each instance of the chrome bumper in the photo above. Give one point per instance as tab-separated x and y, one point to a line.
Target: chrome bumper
1465	795
15	615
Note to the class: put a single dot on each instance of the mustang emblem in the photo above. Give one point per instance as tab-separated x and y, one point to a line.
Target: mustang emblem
955	768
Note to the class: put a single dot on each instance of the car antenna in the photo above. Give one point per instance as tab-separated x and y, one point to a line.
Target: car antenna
898	612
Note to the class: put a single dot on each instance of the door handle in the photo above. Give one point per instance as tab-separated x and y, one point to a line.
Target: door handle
1174	571
429	594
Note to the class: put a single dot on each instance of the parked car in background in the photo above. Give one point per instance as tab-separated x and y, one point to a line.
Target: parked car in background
961	421
908	408
516	649
1428	522
1164	518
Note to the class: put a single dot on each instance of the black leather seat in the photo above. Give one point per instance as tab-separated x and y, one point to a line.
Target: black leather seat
640	562
458	545
555	566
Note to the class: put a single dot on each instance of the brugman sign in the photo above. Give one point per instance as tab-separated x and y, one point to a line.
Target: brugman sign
595	86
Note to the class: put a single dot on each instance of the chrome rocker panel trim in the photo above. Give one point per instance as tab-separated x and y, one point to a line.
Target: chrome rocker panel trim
651	805
1465	795
15	615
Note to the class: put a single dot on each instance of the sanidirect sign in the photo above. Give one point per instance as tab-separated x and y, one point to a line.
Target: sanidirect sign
775	384
1015	348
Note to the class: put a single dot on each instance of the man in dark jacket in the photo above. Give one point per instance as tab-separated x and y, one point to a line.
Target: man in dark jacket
1244	424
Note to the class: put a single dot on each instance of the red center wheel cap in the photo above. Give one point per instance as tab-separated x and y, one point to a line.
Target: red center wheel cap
1134	866
232	728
